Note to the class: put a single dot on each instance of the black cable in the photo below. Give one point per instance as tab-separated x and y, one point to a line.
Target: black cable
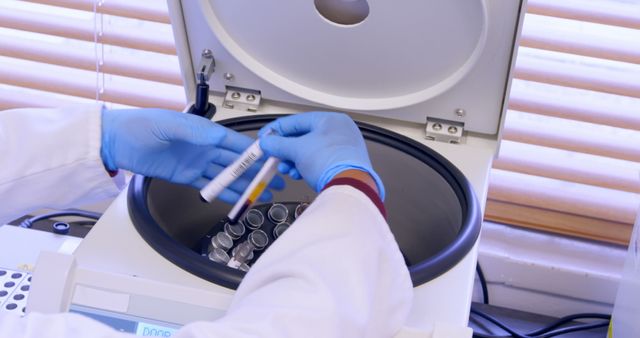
484	335
483	284
544	332
499	324
568	319
575	328
28	223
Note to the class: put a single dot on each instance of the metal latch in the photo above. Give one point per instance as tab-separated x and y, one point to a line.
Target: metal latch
242	99
201	105
444	131
206	67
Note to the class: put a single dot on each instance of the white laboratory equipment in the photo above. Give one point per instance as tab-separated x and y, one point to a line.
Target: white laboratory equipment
427	82
624	319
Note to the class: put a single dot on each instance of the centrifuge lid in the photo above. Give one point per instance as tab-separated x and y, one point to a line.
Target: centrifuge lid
407	60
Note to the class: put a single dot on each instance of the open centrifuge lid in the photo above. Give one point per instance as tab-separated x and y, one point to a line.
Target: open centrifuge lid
407	60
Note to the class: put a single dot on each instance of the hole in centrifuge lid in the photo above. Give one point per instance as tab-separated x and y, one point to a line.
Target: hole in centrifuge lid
343	12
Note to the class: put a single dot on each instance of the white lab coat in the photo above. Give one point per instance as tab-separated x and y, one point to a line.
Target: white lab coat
337	272
50	158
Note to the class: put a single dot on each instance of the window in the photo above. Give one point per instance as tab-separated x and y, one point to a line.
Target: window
117	51
570	157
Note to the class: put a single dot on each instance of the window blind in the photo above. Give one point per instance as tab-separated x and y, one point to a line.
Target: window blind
569	162
56	52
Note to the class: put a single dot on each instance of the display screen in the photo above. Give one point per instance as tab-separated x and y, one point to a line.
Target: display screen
126	323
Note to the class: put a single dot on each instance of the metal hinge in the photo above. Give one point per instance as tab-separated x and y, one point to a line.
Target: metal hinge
242	99
206	67
444	131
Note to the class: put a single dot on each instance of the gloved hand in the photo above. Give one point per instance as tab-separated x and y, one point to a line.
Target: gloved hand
177	147
317	146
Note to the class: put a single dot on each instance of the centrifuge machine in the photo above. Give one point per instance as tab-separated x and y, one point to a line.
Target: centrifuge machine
427	82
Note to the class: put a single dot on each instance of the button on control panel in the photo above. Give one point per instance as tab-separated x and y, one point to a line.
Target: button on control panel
14	290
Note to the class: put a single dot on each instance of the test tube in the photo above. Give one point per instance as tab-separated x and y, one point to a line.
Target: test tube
278	213
221	241
244	267
219	256
255	189
280	229
234	252
244	250
300	209
234	170
234	231
253	219
258	239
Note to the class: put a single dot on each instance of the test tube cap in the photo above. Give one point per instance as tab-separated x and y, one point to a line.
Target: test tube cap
244	267
222	241
219	256
300	208
258	239
278	213
280	229
234	231
253	219
234	251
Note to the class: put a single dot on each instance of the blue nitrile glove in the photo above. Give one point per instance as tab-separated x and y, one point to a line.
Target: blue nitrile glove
178	147
317	146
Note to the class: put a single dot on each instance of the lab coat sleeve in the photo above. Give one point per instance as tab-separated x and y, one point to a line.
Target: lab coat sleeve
336	272
51	159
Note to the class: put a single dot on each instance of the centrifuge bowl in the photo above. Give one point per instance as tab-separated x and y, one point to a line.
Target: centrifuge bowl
431	207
